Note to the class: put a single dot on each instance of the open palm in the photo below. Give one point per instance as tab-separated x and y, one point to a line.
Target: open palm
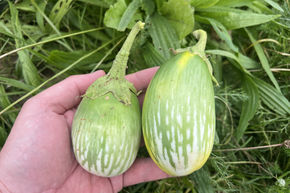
38	156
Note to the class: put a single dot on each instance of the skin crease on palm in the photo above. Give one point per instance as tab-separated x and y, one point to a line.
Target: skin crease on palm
37	156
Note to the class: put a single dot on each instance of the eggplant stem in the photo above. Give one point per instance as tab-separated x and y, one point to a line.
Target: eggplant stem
119	66
202	38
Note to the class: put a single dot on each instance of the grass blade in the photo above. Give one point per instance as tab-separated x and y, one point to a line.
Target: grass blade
223	33
235	18
29	71
202	179
15	83
263	59
240	65
249	107
274	5
49	40
4	102
3	136
56	75
59	10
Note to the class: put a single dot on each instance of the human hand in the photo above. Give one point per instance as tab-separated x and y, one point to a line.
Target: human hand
38	157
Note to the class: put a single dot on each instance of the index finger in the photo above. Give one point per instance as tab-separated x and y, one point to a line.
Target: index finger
142	78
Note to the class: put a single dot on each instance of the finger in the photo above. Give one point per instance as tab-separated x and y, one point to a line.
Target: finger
65	94
142	78
143	170
69	115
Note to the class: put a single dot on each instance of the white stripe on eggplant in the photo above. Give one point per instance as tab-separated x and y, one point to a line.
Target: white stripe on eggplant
179	119
168	134
188	133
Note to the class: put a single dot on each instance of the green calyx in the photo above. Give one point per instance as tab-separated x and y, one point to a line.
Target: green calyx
199	49
115	81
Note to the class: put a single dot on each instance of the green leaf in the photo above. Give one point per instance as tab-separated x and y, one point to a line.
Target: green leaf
274	5
180	15
114	15
29	71
241	66
61	59
5	102
59	10
4	29
263	59
128	14
159	3
151	56
203	3
3	136
163	35
223	34
249	107
148	6
202	180
234	18
39	16
273	98
234	3
100	3
247	62
16	83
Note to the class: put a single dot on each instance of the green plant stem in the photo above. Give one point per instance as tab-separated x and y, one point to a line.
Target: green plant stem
200	46
107	54
119	66
285	143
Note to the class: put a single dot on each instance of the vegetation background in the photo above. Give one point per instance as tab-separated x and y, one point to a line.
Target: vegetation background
43	42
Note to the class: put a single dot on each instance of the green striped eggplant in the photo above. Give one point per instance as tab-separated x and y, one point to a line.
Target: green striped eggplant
178	117
106	128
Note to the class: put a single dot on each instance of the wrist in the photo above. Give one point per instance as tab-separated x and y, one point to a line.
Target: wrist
3	188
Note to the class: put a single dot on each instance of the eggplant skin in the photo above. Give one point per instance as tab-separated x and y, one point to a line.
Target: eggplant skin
178	117
106	134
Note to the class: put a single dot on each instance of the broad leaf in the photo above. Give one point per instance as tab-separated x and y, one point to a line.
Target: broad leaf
148	6
151	56
163	35
203	3
114	15
180	15
128	14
